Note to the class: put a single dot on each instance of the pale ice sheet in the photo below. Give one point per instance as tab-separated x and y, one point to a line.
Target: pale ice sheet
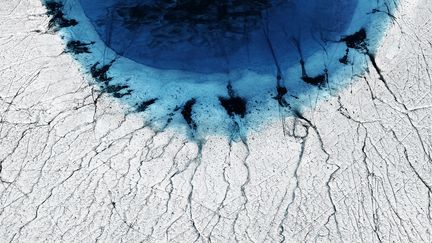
75	167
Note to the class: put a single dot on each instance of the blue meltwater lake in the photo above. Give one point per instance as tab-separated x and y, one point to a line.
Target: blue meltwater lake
223	67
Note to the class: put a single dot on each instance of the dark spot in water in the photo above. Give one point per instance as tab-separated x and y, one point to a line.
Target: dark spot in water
281	92
344	59
100	73
78	47
356	41
171	114
234	105
118	91
187	113
144	105
115	88
58	20
120	95
318	80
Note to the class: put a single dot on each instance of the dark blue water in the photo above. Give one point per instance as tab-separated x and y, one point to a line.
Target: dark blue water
206	66
217	36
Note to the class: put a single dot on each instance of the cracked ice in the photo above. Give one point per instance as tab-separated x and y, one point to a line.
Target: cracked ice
74	166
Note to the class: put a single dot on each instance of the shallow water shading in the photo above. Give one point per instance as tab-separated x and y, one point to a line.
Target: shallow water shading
221	66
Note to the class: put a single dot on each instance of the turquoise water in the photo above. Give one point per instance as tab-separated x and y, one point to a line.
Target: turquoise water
224	67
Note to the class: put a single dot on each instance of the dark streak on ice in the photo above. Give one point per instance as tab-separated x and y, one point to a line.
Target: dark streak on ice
355	41
118	91
78	47
358	41
318	80
100	73
145	104
187	113
344	59
281	92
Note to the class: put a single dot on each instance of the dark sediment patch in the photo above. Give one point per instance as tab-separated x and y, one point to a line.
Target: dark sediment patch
58	19
118	91
234	105
145	104
100	74
281	92
78	47
187	113
357	40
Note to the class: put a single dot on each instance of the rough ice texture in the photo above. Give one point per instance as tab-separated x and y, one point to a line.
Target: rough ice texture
75	167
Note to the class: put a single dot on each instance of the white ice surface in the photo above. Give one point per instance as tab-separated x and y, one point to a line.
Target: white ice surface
74	168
